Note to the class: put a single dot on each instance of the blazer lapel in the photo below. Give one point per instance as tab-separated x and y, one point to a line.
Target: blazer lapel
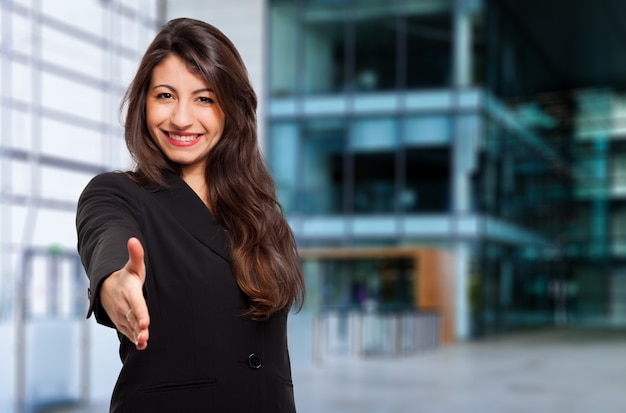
194	215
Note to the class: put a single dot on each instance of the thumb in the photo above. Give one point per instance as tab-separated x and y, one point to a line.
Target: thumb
135	264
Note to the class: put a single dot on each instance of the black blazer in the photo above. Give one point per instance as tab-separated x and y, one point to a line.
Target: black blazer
203	354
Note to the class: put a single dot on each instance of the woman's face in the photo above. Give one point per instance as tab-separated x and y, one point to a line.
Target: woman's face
183	116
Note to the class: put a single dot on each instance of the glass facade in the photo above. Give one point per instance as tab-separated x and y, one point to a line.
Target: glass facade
359	46
559	175
363	164
64	70
445	124
364	132
64	66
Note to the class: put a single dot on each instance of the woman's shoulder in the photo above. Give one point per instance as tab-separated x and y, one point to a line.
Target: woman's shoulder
116	179
113	185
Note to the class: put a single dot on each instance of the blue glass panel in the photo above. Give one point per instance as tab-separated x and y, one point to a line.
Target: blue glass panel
283	47
323	47
427	130
373	135
322	161
283	151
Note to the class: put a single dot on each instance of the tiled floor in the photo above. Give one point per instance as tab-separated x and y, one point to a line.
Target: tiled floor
566	370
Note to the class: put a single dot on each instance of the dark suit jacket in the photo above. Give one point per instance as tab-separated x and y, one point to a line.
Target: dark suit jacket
203	354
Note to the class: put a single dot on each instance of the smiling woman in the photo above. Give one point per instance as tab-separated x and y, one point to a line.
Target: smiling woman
191	249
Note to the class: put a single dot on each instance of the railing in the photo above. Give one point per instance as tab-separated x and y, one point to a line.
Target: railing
358	334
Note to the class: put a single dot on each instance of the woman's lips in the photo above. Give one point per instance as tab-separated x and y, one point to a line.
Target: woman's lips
183	139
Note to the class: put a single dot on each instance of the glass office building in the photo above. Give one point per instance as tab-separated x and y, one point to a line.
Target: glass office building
453	125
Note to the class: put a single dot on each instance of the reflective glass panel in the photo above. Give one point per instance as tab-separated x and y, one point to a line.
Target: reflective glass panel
322	187
73	52
376	45
86	15
21	136
324	37
427	180
21	38
63	95
428	47
373	146
427	130
283	48
374	174
63	140
21	82
283	158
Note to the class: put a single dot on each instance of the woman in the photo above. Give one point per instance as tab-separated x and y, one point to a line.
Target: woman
191	250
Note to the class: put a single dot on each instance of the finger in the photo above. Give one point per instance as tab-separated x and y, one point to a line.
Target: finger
138	319
135	264
140	314
136	331
142	339
128	314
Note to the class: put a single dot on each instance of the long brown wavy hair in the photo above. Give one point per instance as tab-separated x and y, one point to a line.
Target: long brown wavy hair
241	192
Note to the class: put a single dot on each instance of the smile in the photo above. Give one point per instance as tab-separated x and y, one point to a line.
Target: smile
183	140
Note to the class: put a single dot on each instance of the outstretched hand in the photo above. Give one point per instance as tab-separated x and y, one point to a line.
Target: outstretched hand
122	297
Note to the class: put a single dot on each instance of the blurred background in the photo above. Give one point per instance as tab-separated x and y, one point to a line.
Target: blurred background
454	172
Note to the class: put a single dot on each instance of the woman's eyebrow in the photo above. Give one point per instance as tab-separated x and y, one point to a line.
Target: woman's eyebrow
165	86
204	89
173	89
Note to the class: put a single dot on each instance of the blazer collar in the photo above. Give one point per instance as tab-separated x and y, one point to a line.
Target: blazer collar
196	217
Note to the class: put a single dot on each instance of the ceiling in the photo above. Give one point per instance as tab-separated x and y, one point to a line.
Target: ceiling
583	41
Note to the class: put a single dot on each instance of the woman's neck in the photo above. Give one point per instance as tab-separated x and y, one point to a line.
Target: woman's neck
197	182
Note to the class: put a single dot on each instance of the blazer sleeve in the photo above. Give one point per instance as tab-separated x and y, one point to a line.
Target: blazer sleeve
107	215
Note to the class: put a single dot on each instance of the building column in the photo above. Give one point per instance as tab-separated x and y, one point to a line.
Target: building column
462	41
464	146
464	156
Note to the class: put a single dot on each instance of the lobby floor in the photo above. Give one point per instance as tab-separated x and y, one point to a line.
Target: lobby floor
560	370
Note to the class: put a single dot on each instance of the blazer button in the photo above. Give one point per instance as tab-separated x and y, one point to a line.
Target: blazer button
254	361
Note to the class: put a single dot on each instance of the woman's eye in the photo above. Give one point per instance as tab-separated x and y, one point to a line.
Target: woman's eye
205	99
164	95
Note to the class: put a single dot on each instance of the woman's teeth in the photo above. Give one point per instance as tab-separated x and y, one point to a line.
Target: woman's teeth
185	138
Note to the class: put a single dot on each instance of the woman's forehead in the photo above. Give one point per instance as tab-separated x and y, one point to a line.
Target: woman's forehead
174	69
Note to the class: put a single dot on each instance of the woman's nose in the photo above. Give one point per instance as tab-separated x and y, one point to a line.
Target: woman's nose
182	116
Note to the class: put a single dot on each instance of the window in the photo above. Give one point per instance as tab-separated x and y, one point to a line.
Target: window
428	49
283	156
373	144
427	180
375	45
325	52
322	187
283	40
